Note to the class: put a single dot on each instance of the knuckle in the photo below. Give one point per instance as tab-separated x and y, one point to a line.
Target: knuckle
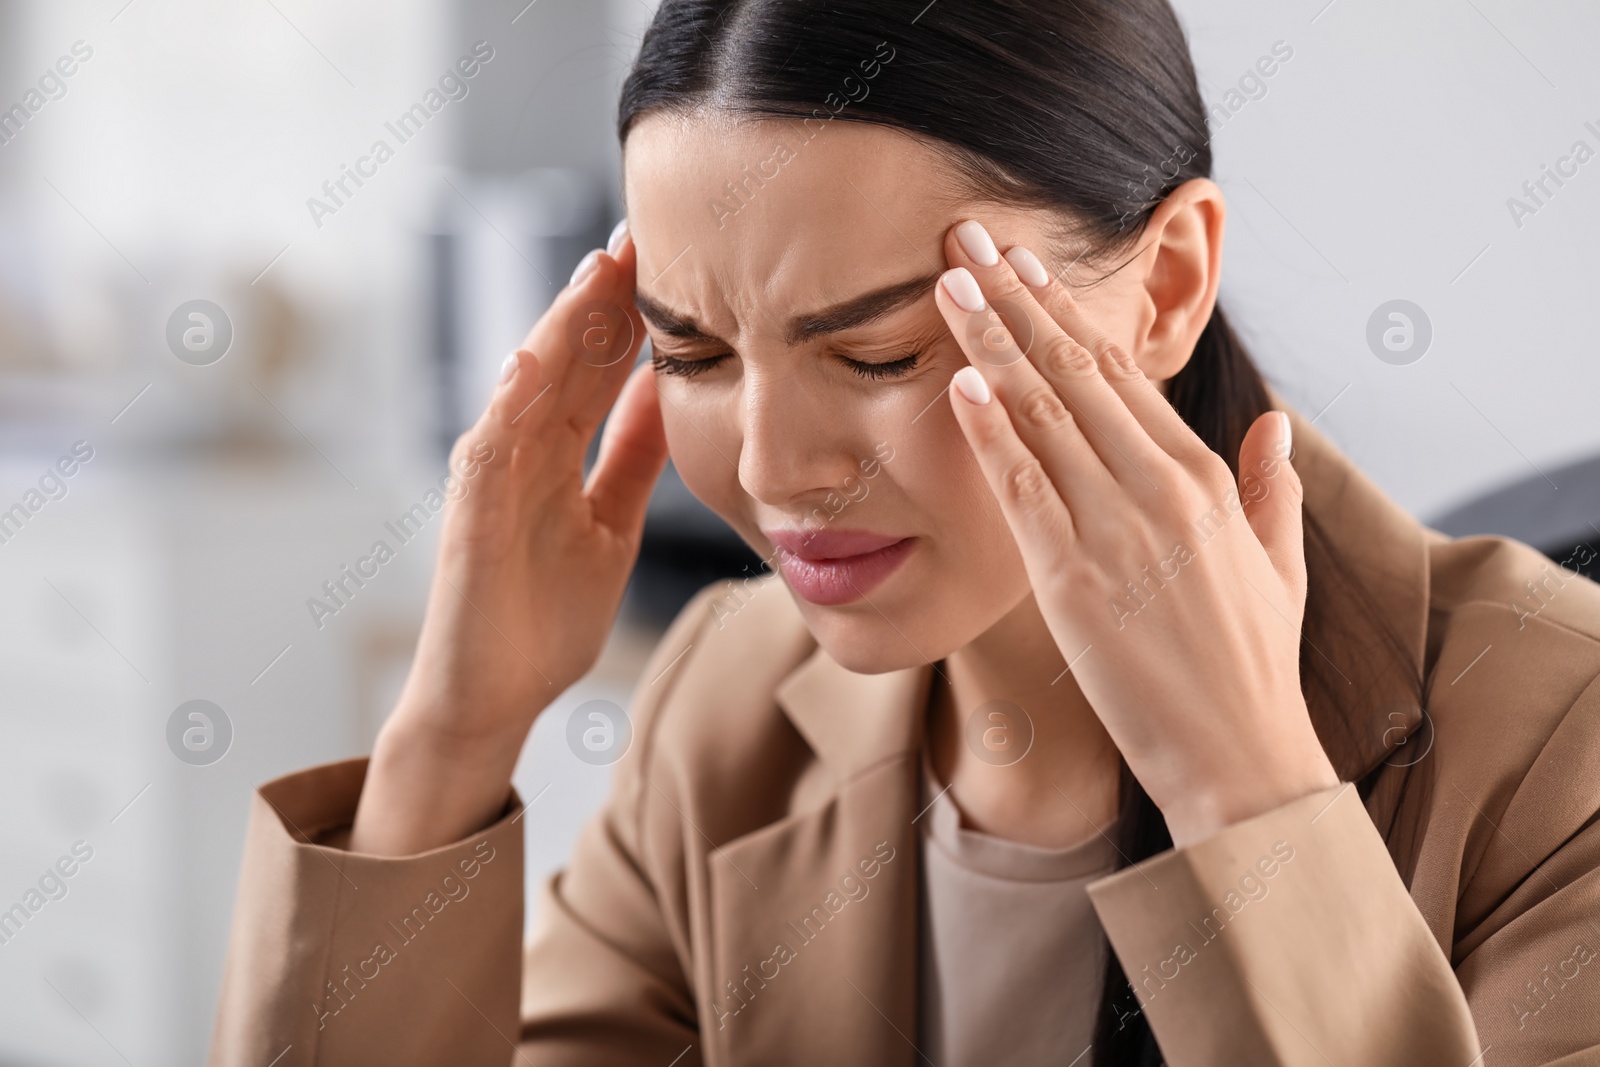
1026	485
472	447
1288	483
1006	287
1066	358
1116	363
1192	455
1058	299
1210	472
1178	501
1042	409
1172	482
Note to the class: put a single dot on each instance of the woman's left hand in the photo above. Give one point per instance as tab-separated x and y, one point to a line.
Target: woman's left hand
1175	595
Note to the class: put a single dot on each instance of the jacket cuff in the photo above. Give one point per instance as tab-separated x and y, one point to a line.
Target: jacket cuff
353	958
1287	938
317	806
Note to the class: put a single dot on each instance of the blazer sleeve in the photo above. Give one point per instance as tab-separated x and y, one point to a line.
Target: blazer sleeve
607	966
1287	938
1290	939
343	958
337	957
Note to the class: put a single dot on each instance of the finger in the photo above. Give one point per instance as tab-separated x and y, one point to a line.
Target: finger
584	341
612	332
491	440
521	388
1061	359
1270	490
1040	520
621	252
1034	409
1154	412
633	452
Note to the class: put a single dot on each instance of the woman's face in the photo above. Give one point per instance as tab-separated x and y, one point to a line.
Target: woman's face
786	281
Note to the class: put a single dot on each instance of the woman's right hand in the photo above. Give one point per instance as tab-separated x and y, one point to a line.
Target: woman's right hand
532	565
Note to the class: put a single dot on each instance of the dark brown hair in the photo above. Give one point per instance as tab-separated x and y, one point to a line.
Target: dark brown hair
1088	108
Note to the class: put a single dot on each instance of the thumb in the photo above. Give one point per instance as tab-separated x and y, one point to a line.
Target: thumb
1272	495
633	451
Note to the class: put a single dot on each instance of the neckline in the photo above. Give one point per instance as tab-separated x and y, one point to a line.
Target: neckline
996	857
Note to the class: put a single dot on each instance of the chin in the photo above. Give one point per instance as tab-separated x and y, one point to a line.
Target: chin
861	640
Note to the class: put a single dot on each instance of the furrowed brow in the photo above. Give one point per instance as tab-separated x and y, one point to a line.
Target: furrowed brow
847	315
670	322
861	310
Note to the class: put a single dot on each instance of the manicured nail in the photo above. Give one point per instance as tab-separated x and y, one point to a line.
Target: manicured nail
1028	267
963	289
508	368
976	242
614	243
585	267
1288	433
970	384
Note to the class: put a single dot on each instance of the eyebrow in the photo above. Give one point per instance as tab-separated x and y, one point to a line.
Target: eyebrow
847	315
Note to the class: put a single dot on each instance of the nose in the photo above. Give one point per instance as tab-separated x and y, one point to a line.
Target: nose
796	448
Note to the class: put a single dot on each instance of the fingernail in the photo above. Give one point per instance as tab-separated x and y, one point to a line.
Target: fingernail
585	267
963	289
977	243
1028	267
1288	432
508	368
614	243
970	384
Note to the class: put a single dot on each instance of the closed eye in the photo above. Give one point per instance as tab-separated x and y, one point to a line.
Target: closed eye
685	368
689	368
892	369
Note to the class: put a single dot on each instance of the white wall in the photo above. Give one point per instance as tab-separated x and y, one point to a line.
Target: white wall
1385	152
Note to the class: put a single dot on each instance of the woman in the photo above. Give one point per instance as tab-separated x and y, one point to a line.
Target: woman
1086	727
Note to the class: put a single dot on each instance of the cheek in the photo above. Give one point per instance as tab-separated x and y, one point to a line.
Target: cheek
937	471
702	452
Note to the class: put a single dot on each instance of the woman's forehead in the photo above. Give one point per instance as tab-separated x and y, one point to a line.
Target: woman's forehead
742	223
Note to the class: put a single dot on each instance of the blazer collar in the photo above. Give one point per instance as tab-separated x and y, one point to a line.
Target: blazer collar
1359	723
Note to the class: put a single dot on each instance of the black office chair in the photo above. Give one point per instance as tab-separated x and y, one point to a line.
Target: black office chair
1558	513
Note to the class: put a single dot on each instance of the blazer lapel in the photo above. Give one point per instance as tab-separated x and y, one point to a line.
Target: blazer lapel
814	918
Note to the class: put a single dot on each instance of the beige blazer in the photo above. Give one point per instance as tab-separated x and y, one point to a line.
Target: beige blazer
748	894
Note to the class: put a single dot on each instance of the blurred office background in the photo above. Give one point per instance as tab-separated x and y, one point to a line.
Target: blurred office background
174	164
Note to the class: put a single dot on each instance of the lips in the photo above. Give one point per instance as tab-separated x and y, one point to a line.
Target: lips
838	566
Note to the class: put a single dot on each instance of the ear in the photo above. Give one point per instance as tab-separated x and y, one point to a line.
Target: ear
1181	265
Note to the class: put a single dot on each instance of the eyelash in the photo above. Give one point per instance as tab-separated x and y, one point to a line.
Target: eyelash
689	368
